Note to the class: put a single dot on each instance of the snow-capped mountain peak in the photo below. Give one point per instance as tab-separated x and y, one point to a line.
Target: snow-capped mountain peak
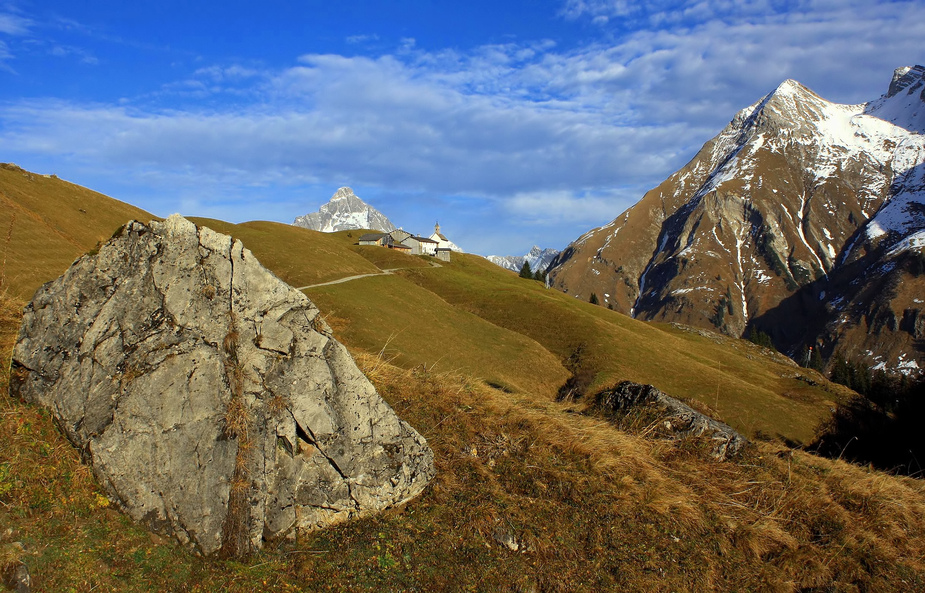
904	103
345	211
343	193
539	259
792	202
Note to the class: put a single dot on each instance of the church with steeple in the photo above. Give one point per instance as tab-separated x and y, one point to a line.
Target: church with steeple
444	245
441	240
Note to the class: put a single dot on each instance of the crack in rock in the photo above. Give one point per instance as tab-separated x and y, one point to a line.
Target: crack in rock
148	406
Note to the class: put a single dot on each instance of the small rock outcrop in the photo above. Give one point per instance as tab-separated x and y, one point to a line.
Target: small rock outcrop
675	417
208	395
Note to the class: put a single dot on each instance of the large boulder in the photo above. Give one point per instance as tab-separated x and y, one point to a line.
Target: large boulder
208	395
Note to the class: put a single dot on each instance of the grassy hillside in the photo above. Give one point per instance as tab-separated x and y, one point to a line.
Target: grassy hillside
531	494
300	257
414	328
744	385
46	223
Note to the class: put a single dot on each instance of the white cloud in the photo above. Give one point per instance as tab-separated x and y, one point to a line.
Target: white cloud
567	207
11	24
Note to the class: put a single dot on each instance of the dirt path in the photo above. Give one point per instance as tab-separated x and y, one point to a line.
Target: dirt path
349	278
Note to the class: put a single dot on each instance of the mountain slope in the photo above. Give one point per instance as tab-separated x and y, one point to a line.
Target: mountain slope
345	211
46	223
767	211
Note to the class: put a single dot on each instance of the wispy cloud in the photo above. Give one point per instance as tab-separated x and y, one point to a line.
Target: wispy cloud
13	24
361	38
68	51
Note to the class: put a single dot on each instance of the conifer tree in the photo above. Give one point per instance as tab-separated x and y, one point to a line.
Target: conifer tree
815	360
525	271
841	371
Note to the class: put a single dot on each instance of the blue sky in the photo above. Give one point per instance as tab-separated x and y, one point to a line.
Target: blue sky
512	123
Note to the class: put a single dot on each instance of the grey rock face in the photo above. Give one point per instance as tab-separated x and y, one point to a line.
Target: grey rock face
539	259
345	211
208	395
677	418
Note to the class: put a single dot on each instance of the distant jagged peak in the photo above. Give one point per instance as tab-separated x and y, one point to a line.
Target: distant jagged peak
539	259
343	193
345	211
904	77
904	103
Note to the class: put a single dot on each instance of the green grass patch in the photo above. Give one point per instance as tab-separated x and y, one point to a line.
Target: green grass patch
300	257
49	224
415	327
738	381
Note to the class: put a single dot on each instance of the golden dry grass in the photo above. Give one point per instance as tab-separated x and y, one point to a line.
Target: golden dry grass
529	496
53	222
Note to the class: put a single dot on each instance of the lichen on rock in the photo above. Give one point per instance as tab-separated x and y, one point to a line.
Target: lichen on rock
209	396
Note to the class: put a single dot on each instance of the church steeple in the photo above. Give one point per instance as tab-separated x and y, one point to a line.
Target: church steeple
437	227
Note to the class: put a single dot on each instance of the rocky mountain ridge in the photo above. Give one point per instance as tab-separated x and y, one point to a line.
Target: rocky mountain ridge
539	259
345	211
795	205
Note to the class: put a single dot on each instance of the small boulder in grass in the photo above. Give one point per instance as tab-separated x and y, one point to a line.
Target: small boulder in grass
676	418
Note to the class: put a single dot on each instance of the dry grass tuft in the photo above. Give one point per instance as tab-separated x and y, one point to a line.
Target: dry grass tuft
6	251
277	403
238	421
237	418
